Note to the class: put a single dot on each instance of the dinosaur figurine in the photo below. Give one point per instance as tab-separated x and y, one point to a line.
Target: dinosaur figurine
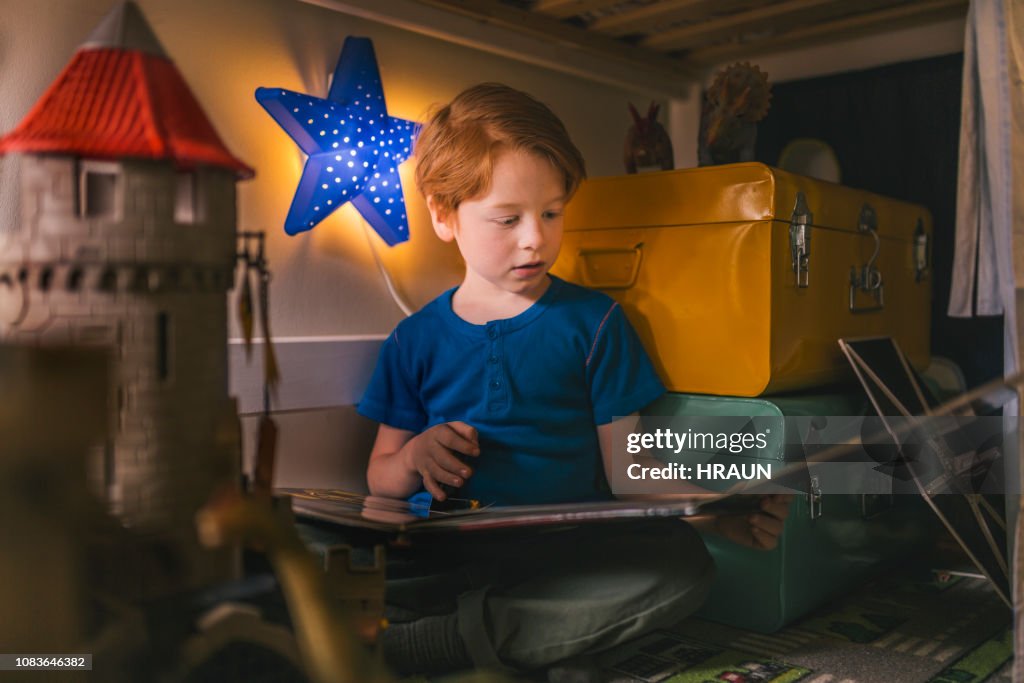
739	97
647	142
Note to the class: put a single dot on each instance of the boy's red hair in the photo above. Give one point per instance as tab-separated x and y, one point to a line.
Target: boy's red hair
455	149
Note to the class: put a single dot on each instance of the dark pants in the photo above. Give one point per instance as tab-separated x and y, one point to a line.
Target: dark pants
528	598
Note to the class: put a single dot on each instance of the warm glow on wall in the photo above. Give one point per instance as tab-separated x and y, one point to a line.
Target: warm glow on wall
354	148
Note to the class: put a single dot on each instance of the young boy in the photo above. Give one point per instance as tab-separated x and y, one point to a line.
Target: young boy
505	388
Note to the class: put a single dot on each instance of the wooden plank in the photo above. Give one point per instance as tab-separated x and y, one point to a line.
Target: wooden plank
499	14
644	18
570	8
590	57
685	36
902	16
808	17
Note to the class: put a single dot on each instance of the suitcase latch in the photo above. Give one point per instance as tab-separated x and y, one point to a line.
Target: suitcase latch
814	499
800	240
868	278
920	252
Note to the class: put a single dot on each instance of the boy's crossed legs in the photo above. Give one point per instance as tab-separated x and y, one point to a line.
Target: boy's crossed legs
526	599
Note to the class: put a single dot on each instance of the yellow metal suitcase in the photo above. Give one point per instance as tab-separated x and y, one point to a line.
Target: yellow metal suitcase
740	278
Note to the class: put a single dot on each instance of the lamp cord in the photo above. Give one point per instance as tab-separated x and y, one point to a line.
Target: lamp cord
388	282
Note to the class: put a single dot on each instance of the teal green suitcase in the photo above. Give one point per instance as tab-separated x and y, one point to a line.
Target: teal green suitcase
831	543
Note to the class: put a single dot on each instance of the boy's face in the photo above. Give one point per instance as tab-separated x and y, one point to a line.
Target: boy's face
510	236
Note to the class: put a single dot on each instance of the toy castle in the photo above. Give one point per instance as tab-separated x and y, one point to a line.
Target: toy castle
127	240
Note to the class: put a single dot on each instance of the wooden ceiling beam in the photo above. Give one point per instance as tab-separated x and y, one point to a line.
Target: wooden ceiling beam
686	36
806	18
561	9
901	16
645	17
651	63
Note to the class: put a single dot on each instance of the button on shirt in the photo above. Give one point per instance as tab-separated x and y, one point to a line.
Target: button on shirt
535	386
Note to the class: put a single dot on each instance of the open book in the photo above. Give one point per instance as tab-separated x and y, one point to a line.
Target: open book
405	516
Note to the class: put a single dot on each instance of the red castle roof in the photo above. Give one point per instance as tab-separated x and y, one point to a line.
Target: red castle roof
120	96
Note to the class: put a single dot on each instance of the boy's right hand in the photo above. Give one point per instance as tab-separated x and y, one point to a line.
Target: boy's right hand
432	454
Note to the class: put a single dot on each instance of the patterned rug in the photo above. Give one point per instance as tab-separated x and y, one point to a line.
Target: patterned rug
911	629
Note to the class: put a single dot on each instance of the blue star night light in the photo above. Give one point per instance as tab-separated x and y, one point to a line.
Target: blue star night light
353	146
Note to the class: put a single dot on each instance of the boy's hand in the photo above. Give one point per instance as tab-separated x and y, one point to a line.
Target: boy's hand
432	454
760	529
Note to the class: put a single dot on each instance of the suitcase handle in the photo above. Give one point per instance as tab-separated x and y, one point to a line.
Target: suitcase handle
611	267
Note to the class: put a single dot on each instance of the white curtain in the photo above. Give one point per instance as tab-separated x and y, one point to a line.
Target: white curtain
984	259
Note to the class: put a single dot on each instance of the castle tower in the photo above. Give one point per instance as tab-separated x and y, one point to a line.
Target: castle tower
127	239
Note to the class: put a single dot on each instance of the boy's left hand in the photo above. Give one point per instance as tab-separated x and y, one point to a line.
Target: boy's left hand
759	529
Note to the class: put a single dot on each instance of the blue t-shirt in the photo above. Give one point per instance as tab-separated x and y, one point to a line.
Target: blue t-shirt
535	386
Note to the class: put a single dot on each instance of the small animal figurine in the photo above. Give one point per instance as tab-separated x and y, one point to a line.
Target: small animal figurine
647	142
739	97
